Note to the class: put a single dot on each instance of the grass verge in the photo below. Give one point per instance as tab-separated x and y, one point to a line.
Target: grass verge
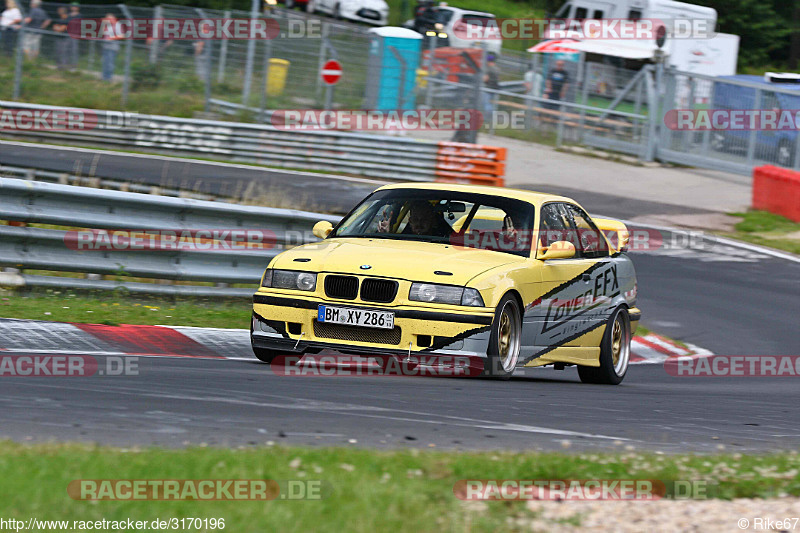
768	229
65	306
364	490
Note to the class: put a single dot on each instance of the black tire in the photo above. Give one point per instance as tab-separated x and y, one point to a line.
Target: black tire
785	155
505	340
614	358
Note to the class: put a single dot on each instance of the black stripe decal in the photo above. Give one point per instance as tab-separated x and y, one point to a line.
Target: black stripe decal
562	342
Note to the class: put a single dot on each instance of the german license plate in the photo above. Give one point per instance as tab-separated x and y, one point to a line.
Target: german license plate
355	317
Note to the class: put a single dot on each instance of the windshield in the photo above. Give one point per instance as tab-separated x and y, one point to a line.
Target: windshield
463	219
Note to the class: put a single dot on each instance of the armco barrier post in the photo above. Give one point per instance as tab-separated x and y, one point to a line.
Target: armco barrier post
777	190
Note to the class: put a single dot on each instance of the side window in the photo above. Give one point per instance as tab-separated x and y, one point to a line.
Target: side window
634	14
581	13
589	242
598	14
553	225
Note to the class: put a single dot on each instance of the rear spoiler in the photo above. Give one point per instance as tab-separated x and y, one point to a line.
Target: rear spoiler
616	233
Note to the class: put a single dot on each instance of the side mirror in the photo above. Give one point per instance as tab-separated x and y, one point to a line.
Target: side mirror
557	250
322	229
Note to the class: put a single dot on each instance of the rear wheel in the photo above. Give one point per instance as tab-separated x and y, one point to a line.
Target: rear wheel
615	352
504	341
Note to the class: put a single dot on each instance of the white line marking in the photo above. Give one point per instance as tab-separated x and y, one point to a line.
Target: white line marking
724	240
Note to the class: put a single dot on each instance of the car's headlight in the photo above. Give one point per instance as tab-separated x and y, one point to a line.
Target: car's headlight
289	279
445	294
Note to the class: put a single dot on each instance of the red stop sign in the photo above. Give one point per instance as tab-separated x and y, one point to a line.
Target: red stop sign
331	72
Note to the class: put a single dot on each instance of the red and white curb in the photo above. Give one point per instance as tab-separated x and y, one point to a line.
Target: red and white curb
655	349
36	336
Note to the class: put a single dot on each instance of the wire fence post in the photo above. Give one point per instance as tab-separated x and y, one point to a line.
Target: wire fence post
18	64
267	59
126	83
251	52
158	14
431	66
323	47
223	53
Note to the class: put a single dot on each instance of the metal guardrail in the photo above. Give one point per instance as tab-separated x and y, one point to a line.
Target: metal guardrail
379	156
82	207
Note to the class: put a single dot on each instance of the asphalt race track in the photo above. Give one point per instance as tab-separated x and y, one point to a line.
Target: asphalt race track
341	192
729	299
175	401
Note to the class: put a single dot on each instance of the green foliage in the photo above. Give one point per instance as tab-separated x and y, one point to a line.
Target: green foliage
145	76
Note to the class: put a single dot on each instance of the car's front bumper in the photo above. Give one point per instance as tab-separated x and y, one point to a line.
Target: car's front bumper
290	324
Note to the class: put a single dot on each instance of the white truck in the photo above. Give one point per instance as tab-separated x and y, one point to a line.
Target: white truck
691	43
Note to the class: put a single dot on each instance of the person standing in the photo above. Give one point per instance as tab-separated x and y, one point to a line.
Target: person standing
557	84
110	46
61	27
72	43
10	21
36	21
491	80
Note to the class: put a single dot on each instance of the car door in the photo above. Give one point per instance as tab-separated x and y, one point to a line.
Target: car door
572	289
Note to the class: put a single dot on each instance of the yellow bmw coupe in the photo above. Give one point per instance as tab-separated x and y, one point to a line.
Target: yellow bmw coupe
504	277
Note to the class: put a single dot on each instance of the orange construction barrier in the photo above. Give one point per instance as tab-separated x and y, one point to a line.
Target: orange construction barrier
777	190
470	163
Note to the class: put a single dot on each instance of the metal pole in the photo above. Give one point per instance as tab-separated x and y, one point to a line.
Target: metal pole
584	73
126	83
401	91
251	51
18	64
155	38
267	57
223	54
328	96
431	65
751	140
209	63
479	88
92	45
323	46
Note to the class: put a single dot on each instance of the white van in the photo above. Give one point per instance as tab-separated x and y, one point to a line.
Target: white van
692	43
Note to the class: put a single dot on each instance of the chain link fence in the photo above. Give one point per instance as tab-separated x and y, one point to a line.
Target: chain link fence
600	102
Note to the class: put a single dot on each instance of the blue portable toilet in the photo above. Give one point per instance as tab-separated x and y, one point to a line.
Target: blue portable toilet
394	55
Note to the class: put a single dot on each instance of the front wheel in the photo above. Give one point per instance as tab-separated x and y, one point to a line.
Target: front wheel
615	352
504	341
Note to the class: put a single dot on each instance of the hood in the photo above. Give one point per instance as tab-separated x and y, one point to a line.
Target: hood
409	260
